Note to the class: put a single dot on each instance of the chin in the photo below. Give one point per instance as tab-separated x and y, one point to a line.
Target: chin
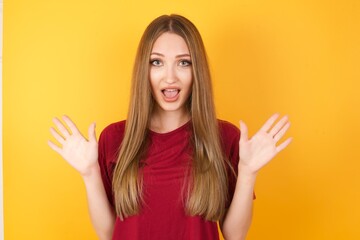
173	107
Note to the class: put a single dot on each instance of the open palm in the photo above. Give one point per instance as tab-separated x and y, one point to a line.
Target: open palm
257	151
79	152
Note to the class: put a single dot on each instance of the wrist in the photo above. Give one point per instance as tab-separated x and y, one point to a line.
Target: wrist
245	174
91	172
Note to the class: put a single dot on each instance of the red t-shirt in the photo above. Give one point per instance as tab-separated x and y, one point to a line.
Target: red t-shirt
162	215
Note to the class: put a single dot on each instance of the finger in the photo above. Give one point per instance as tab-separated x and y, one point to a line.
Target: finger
61	127
278	126
91	132
243	131
269	123
282	131
283	145
71	125
54	147
57	136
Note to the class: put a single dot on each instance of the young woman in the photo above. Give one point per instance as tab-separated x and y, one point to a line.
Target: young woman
172	169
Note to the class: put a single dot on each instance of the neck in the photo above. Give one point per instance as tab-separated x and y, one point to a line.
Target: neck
167	121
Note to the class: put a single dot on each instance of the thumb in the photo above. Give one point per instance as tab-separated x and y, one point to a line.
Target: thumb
243	131
91	132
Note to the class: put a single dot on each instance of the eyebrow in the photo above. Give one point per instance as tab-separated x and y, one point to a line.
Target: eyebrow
177	56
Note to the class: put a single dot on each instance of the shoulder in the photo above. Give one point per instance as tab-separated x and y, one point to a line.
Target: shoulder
114	128
228	130
113	132
109	142
229	137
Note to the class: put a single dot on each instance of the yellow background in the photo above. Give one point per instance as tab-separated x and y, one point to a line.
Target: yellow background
299	58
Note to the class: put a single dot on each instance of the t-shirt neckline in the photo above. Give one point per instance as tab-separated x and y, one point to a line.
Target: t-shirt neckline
176	130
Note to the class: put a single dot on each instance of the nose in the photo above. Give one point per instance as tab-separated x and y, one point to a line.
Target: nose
171	76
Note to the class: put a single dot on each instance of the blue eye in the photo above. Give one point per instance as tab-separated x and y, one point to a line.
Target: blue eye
155	62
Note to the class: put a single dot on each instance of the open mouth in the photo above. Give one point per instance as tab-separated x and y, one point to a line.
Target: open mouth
170	93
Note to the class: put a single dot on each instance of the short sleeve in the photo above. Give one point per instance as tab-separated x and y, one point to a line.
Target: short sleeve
106	175
109	144
233	158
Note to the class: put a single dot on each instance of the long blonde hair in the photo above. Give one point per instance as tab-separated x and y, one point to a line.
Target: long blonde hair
207	191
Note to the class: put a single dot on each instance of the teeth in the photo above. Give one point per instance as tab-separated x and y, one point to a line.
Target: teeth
170	90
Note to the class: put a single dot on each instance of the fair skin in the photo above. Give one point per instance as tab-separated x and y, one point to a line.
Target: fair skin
255	153
82	154
171	80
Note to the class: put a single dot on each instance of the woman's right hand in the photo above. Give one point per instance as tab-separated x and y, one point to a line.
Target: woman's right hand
80	153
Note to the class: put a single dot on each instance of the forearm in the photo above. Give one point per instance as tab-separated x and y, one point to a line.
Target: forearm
101	212
238	218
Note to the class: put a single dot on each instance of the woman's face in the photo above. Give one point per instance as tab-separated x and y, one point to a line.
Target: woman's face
170	72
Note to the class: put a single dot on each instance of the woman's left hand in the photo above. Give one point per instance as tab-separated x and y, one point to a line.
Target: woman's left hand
257	151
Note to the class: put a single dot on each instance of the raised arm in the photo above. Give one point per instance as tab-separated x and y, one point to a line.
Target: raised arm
82	154
254	154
